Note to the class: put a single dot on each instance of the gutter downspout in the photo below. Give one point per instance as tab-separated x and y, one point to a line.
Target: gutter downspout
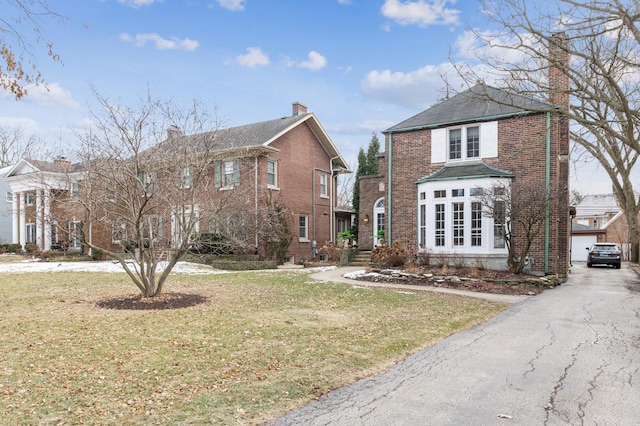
255	185
547	201
387	231
332	202
313	197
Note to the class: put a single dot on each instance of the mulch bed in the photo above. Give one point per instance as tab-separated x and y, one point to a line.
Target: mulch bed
162	302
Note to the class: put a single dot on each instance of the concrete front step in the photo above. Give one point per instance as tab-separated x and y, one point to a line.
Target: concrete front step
361	258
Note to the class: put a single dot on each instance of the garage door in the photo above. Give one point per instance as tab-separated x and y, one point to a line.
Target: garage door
578	245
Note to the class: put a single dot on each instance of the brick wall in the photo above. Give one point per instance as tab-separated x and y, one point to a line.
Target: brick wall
521	150
301	160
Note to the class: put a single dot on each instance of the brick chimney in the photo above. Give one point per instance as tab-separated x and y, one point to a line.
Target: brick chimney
299	109
173	132
61	162
558	70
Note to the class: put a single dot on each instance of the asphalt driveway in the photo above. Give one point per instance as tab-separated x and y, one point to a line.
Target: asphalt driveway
570	356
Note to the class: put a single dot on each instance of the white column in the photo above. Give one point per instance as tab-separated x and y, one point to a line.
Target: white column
47	220
15	222
39	219
23	226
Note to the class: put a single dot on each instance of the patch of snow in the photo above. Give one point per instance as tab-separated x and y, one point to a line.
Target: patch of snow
30	266
359	273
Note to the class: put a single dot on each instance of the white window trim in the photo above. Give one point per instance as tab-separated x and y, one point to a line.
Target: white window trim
185	178
324	187
9	197
304	238
34	230
275	173
488	143
463	142
122	232
75	188
487	227
180	213
29	199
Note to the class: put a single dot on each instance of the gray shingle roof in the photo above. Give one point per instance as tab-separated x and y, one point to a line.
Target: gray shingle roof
478	103
466	171
57	166
257	134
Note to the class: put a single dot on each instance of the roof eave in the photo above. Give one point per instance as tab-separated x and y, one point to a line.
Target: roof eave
449	123
437	179
321	134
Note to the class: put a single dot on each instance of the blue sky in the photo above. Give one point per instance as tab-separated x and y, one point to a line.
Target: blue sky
360	65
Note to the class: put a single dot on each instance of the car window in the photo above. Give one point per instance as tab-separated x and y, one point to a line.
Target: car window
605	248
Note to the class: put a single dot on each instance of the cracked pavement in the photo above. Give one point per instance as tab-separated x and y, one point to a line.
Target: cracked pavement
569	356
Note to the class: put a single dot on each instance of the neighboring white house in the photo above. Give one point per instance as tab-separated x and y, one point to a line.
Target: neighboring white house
6	233
33	185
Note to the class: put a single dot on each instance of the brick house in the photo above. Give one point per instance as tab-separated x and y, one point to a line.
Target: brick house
435	161
291	157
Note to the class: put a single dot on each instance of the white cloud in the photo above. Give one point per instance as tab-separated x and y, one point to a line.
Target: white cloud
315	62
139	40
49	95
234	5
27	125
420	12
138	3
414	89
253	58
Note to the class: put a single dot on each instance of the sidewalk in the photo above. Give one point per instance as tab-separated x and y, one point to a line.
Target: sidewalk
337	275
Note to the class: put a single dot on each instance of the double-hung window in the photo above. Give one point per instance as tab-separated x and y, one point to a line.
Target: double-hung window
303	227
455	144
184	177
75	234
464	143
323	185
227	173
148	180
473	142
31	232
272	174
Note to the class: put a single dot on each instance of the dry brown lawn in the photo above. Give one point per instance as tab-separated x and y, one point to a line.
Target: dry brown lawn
263	343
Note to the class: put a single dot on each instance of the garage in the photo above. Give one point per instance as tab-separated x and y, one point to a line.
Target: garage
582	237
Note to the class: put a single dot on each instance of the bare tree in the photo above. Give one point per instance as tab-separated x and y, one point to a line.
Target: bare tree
150	183
21	26
15	145
346	183
602	40
519	210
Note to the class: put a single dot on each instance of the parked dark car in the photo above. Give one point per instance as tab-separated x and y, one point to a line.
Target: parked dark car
604	254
